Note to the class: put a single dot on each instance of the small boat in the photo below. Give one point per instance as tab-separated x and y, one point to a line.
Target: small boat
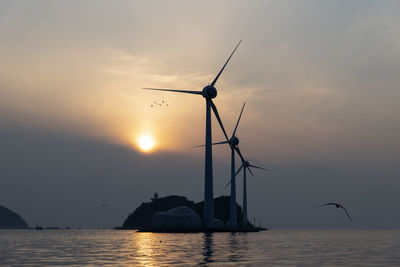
38	227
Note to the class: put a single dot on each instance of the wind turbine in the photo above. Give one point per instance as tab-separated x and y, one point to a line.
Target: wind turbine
209	92
245	165
233	144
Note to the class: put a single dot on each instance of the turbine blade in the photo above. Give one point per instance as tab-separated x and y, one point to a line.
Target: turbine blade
198	146
216	78
228	184
250	171
238	119
259	167
240	154
218	143
236	173
214	108
179	91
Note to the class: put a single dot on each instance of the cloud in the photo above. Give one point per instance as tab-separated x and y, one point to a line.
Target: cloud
320	81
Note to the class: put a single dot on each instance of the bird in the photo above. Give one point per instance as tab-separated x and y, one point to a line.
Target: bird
338	206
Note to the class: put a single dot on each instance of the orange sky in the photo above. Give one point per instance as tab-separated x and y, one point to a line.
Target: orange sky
320	80
299	89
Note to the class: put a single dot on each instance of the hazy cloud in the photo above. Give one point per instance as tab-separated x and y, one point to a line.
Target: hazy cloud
320	80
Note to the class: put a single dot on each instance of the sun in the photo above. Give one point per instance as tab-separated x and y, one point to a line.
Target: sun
146	142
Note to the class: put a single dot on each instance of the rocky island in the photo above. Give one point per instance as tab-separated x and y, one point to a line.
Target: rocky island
178	214
11	220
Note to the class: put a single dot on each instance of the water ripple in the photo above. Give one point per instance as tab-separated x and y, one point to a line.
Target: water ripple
274	248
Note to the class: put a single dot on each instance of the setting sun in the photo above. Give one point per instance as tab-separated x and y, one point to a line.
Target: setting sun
146	142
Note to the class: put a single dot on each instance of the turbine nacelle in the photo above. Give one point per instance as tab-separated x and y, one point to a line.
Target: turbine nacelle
234	141
246	164
209	92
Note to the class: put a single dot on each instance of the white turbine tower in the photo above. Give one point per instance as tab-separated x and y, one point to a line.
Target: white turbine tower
209	92
245	165
233	144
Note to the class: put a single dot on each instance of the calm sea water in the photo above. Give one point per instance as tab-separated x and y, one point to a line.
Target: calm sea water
272	248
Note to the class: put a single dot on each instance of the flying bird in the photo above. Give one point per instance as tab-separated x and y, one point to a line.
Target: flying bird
338	206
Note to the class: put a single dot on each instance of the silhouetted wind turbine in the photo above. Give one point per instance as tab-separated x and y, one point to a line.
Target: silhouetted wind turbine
233	144
245	165
209	92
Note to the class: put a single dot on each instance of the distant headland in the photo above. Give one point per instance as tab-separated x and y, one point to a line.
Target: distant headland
11	220
178	214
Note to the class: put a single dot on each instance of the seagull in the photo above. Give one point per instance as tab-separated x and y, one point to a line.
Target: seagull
338	206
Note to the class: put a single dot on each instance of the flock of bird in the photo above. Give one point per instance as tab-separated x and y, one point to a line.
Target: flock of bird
156	104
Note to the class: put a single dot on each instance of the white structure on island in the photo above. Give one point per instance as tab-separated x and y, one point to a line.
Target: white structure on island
209	92
182	218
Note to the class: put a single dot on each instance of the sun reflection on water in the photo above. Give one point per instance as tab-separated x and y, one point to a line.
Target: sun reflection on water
157	249
145	249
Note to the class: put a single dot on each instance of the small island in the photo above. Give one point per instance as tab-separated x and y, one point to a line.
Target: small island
178	214
11	220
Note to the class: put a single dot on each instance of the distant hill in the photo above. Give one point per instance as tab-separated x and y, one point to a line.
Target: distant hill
11	220
142	215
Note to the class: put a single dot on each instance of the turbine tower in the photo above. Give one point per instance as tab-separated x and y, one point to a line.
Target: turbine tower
209	92
245	165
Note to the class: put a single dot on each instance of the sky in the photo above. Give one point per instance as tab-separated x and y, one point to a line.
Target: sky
319	78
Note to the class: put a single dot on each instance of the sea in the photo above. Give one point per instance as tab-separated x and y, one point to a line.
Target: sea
267	248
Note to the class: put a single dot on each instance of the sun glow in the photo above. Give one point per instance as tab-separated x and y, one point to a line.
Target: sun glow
146	142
